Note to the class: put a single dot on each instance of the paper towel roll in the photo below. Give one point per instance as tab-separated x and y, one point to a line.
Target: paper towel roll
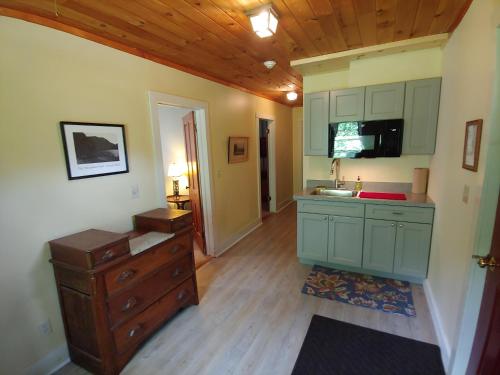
420	177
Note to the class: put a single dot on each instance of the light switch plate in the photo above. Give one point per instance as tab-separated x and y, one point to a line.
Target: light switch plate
135	191
465	194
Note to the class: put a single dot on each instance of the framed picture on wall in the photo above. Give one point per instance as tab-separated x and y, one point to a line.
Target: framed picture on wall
472	144
238	149
93	150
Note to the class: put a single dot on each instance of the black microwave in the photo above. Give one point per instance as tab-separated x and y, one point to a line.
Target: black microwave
365	139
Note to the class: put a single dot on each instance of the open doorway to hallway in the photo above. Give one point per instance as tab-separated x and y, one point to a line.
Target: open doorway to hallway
179	148
265	197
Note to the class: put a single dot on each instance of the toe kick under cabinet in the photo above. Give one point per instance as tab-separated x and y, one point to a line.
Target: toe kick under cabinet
379	239
112	301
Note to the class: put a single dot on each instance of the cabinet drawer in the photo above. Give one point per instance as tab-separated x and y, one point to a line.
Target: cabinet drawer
138	328
332	208
400	213
109	253
144	263
132	300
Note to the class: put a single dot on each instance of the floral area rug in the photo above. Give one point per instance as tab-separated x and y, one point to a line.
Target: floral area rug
388	295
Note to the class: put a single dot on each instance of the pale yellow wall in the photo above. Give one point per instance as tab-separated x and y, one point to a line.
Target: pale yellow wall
297	148
468	76
384	69
47	76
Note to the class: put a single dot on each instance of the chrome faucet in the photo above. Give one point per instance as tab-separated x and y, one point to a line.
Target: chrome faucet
335	167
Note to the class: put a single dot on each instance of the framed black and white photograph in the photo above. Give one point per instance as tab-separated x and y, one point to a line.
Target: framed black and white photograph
94	150
472	144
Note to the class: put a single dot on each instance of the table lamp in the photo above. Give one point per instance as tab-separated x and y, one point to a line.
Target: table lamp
175	172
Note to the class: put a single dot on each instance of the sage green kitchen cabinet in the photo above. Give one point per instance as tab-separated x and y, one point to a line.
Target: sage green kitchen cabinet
379	243
347	105
413	241
316	123
345	240
384	102
312	236
421	116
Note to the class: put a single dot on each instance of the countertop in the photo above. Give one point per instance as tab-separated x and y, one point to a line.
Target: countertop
413	200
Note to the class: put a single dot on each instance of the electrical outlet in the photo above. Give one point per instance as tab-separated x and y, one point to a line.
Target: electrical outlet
135	191
465	194
45	328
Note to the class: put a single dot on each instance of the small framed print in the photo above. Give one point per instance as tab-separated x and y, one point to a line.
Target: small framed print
238	149
93	150
472	144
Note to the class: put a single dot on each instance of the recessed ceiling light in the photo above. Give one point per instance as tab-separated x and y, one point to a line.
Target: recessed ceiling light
269	64
291	95
264	20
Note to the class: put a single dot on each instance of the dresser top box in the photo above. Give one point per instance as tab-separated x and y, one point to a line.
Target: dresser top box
165	214
166	220
89	248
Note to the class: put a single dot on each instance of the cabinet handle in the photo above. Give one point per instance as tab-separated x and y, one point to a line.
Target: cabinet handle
393	225
175	249
125	275
177	272
131	302
108	255
134	331
181	295
332	218
401	225
397	213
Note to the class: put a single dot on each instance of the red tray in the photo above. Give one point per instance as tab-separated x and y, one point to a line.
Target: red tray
376	195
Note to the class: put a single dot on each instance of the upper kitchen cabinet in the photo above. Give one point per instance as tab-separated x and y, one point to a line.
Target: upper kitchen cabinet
384	102
347	105
316	123
421	116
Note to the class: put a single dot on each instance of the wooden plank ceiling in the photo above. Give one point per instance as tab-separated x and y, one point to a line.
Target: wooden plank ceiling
214	39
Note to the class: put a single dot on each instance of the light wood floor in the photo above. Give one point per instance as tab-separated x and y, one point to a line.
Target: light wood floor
252	317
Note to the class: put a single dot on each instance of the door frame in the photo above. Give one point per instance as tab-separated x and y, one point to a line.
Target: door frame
271	149
200	109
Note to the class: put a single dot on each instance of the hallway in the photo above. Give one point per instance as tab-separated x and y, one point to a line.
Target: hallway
252	317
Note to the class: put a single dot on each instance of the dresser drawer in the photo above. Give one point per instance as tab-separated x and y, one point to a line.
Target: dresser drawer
110	252
142	264
331	208
130	301
400	213
139	327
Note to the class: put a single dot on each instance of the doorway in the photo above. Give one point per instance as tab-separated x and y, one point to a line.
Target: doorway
265	197
183	174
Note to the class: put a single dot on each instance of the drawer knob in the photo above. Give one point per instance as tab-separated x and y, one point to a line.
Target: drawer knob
175	249
181	295
177	272
401	225
134	331
131	302
108	255
126	275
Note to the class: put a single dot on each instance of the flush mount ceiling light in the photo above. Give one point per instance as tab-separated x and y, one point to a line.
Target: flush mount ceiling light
291	95
269	64
264	20
291	85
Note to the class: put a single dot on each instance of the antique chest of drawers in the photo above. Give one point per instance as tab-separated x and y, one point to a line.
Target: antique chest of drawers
112	301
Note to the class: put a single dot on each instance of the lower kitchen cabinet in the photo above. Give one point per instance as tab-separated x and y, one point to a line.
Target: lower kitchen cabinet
345	240
380	240
413	243
312	236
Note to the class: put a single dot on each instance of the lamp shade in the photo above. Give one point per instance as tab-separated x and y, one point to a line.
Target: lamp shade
264	21
174	170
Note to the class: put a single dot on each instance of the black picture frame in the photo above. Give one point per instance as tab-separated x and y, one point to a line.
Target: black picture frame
85	149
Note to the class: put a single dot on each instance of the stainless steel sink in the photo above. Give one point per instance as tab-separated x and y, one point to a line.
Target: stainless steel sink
334	192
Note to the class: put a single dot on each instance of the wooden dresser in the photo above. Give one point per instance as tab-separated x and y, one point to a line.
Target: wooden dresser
112	301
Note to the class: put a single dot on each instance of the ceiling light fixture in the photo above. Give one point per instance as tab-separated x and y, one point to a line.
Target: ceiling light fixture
269	64
291	85
291	95
264	20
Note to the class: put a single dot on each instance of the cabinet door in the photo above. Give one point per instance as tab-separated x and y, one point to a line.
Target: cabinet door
421	116
345	240
316	123
384	102
312	236
378	249
347	105
412	249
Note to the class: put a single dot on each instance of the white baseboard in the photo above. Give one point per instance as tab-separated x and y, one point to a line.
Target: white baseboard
443	341
284	205
52	362
234	239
